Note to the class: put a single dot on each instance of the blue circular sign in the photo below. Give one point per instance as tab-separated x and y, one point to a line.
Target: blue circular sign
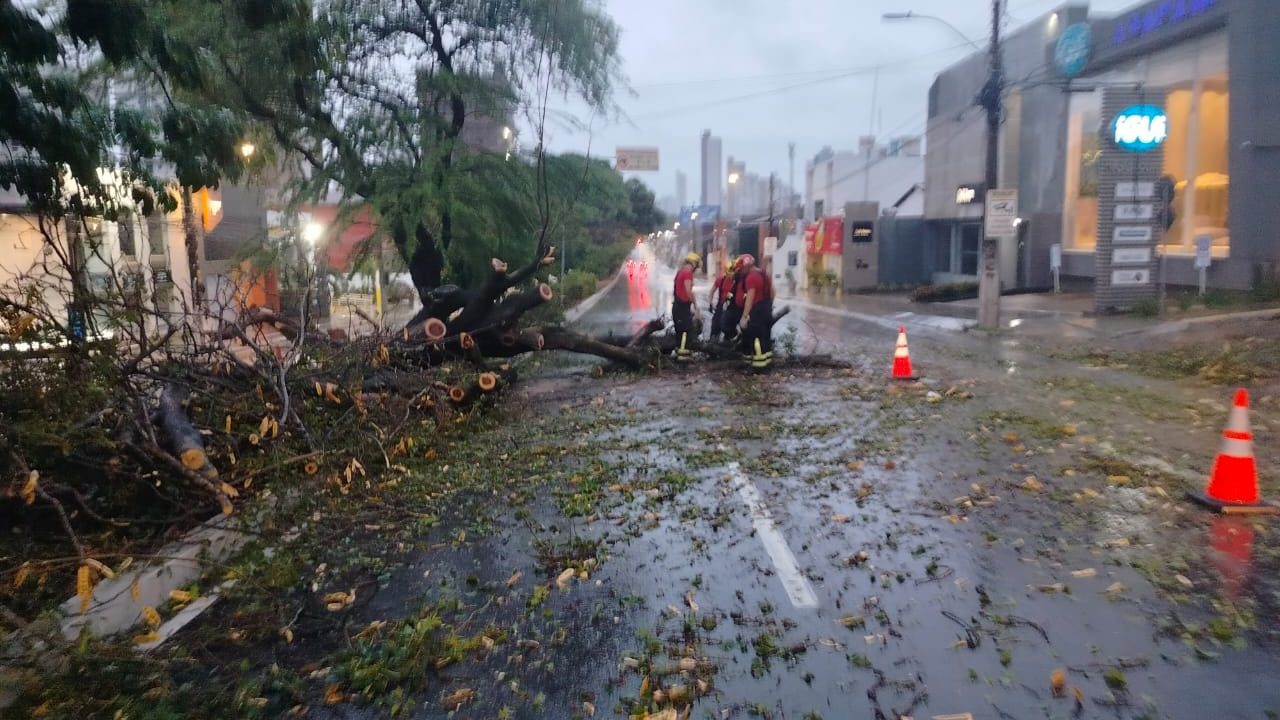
1073	50
1140	128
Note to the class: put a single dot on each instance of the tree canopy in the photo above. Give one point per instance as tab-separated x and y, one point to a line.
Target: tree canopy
65	82
372	97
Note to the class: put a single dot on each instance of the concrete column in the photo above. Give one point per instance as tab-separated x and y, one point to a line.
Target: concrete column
1254	49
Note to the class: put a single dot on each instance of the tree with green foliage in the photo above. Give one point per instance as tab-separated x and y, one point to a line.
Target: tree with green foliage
374	97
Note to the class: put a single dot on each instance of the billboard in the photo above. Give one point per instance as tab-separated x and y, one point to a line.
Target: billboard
636	159
707	214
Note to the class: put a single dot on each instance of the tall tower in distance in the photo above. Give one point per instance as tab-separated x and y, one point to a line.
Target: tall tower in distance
712	183
682	189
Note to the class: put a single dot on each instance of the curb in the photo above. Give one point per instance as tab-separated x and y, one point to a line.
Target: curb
1177	326
112	607
576	312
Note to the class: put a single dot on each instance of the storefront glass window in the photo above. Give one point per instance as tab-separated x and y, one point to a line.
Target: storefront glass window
1193	77
1080	216
970	244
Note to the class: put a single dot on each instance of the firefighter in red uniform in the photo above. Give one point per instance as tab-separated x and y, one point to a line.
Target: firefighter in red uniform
733	302
755	296
684	308
720	297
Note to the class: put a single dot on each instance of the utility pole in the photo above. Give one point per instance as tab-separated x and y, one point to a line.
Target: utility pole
871	132
791	192
990	99
771	177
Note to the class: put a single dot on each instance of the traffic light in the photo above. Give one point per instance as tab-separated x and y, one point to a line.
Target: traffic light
1165	192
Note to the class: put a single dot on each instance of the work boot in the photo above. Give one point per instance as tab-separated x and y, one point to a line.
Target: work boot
682	352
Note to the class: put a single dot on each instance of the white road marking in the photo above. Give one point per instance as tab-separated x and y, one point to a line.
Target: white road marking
784	561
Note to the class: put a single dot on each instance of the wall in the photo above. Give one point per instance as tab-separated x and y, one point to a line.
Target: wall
903	258
23	262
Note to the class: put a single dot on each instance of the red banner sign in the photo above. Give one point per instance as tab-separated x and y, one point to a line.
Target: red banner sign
825	237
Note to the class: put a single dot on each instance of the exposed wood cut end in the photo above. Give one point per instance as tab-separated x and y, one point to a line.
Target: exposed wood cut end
499	266
457	394
545	291
434	329
488	381
466	341
535	339
194	459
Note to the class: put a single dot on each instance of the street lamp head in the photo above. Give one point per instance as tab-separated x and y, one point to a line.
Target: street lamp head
247	149
897	16
312	231
733	178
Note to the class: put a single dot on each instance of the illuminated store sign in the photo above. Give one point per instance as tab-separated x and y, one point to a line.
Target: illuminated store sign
1140	128
1160	16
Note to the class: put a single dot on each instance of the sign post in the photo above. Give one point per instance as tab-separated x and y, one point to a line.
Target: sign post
1204	257
1055	264
1002	211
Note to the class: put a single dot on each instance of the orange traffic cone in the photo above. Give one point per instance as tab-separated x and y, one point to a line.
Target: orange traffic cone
1233	485
902	358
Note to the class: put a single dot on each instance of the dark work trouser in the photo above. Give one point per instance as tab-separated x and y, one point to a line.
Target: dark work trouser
682	316
717	321
757	339
729	323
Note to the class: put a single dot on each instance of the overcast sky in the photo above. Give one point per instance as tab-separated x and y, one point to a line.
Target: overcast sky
762	73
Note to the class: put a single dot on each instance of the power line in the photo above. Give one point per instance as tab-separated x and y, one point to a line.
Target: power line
893	66
742	78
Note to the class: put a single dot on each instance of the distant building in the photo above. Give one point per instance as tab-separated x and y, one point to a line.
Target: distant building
883	174
711	178
682	191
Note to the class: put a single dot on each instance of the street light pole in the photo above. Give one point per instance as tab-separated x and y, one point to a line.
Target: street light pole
991	100
917	16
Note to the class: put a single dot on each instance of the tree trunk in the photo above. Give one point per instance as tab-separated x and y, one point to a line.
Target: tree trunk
184	438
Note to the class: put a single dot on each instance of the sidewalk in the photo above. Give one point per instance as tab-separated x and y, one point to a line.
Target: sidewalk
1065	316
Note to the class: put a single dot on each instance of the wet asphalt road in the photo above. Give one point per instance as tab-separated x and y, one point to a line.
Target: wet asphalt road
918	657
839	547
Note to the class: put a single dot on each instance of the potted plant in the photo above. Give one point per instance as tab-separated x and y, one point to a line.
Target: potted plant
832	283
817	279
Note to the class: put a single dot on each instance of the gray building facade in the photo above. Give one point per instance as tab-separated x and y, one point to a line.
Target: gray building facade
1031	157
1206	72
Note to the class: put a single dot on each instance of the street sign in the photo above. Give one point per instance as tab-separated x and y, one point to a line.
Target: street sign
636	159
1144	211
1130	277
1131	256
75	324
1204	252
1131	234
1135	190
1204	258
1002	211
